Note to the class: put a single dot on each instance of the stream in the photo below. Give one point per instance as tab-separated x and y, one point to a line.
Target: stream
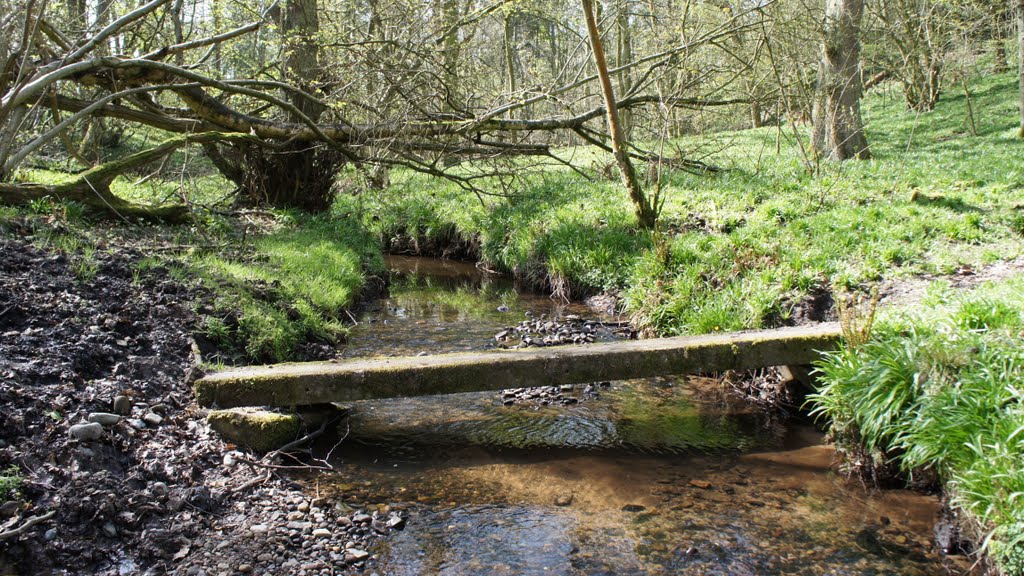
670	475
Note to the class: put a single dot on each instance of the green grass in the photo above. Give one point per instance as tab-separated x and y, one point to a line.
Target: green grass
287	287
742	248
941	387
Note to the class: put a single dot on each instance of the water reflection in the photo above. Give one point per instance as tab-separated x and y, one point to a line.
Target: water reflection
437	306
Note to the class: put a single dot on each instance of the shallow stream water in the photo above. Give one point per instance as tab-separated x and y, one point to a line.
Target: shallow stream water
669	475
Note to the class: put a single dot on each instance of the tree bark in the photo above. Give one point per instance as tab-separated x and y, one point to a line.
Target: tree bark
838	128
1020	62
510	58
999	62
646	213
623	56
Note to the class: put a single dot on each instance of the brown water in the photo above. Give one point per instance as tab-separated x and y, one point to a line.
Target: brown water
659	476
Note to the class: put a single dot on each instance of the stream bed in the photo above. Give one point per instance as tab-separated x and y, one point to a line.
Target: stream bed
670	475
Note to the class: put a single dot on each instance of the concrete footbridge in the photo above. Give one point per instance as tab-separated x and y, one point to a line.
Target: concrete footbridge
306	383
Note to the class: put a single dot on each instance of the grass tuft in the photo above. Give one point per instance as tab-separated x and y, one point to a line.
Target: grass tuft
941	388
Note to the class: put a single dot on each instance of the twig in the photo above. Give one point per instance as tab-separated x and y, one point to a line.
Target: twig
300	441
351	317
27	525
251	483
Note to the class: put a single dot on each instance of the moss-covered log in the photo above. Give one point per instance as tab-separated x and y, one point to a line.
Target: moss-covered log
361	379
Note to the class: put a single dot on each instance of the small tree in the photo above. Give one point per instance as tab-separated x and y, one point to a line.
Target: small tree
646	211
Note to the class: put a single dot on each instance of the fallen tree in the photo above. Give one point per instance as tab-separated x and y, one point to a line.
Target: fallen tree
281	142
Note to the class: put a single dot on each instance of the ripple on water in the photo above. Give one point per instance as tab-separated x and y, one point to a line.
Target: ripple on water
476	540
657	416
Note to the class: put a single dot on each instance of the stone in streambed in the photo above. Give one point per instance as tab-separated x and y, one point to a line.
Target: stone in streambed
86	432
356	555
104	418
260	430
122	405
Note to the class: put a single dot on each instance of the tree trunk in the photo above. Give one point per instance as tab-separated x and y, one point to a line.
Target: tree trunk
301	60
838	128
92	187
646	213
623	56
756	120
301	175
510	58
1020	60
999	62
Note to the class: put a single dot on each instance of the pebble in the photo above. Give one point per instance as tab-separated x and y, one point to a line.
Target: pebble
356	554
322	533
104	418
137	424
245	568
9	508
702	484
122	405
159	488
109	529
396	522
361	518
50	535
86	432
152	418
563	500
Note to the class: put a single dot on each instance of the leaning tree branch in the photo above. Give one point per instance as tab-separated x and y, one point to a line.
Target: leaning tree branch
166	51
92	187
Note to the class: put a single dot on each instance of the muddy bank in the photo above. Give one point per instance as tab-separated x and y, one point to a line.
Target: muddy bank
119	473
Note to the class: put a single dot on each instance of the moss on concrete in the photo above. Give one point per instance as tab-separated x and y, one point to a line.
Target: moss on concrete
259	430
361	379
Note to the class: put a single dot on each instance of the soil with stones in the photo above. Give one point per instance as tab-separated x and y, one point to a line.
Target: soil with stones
121	474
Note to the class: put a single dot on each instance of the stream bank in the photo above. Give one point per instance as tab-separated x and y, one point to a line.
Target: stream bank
110	467
158	493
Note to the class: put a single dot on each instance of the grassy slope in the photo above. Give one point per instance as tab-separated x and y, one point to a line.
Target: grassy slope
274	283
742	247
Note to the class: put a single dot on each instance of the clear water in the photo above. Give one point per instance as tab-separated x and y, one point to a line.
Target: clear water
659	476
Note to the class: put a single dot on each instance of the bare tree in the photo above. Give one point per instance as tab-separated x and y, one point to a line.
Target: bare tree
646	211
838	128
363	85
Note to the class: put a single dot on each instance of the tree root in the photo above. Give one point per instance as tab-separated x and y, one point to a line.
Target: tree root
13	532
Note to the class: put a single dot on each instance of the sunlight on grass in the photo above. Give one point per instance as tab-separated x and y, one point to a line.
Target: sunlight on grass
747	245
